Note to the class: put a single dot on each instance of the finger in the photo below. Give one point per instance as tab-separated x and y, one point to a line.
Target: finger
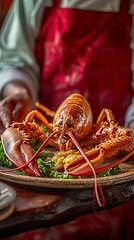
17	112
2	129
20	111
5	116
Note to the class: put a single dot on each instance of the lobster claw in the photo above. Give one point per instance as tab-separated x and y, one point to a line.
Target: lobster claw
17	148
103	157
79	166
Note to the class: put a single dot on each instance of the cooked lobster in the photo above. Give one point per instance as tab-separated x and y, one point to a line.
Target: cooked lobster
72	128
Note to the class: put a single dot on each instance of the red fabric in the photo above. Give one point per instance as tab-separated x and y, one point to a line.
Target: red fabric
88	52
5	4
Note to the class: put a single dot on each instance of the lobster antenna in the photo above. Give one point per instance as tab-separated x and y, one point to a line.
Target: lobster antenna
93	170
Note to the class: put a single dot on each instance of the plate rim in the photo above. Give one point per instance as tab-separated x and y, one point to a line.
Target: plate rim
66	183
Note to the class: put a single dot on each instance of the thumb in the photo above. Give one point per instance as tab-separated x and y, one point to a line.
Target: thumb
5	116
19	112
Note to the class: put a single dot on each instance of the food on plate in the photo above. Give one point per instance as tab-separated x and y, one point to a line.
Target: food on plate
81	147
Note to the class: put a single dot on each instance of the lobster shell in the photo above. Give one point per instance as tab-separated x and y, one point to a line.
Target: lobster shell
75	115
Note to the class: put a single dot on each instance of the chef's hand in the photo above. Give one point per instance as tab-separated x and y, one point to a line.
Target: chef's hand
15	105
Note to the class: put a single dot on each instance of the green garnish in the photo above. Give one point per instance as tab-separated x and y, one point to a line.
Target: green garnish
4	161
109	172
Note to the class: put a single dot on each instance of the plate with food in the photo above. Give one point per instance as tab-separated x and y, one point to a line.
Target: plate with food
71	152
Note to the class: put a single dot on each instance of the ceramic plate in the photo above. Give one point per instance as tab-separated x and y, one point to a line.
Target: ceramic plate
66	183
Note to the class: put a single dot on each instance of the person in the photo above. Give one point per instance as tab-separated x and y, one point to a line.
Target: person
50	49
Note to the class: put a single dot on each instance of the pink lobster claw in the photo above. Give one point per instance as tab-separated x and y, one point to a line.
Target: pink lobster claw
17	148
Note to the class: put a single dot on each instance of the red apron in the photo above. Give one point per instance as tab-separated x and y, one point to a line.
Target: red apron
88	52
77	52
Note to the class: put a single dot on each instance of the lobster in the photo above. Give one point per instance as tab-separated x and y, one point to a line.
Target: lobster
73	127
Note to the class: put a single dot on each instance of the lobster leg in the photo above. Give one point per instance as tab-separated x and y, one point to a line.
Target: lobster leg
106	113
46	110
40	116
35	113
